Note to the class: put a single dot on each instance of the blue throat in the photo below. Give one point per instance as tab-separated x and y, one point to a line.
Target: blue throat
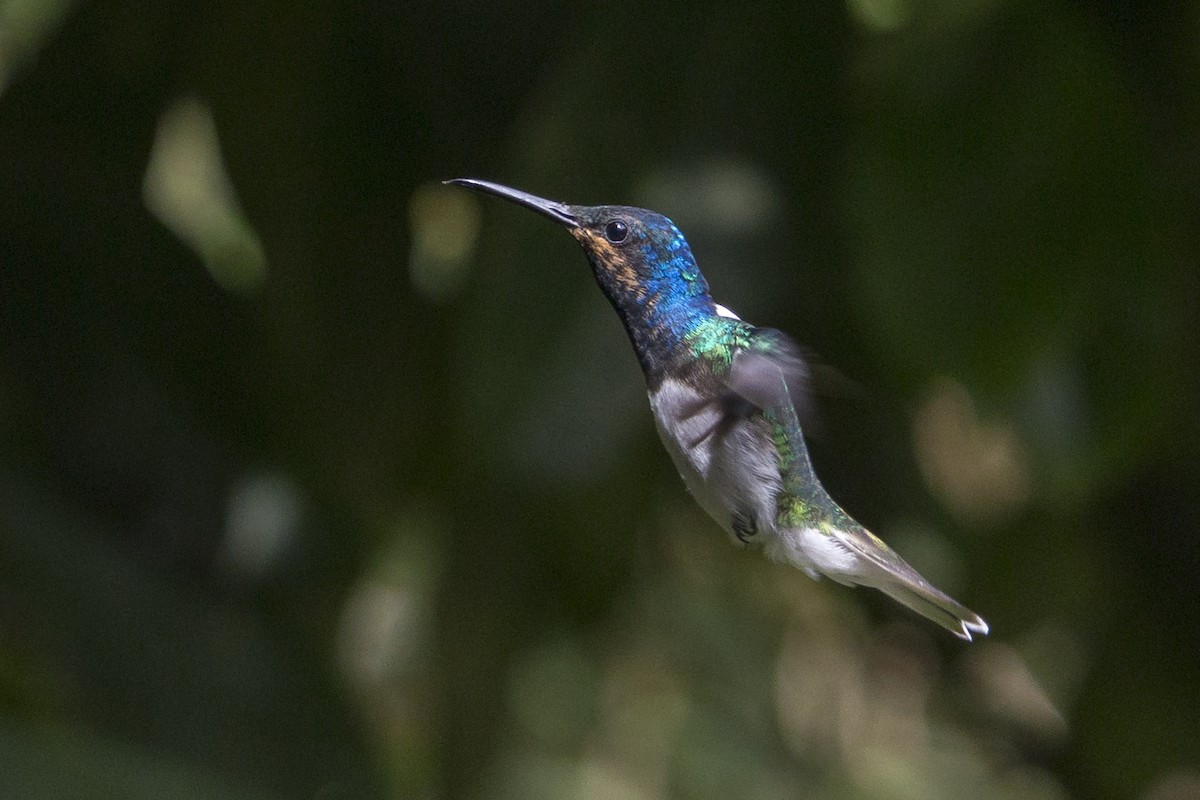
668	301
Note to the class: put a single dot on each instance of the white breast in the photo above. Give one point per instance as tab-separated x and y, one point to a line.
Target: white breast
732	469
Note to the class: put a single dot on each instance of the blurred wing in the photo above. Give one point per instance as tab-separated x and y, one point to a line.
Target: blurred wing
755	374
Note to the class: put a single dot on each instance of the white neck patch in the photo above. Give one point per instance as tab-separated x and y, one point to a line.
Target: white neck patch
722	311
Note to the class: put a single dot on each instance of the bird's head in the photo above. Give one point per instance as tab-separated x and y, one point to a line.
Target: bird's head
640	259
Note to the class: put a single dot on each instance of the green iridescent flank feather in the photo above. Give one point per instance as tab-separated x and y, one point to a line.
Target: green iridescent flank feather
791	509
802	503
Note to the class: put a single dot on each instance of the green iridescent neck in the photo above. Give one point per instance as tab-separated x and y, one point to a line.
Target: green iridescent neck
715	339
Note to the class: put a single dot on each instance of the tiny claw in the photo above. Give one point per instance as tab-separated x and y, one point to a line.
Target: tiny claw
744	529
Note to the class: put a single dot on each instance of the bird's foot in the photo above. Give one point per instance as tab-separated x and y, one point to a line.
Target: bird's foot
745	527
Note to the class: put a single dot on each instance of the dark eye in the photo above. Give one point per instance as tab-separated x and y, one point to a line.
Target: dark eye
616	231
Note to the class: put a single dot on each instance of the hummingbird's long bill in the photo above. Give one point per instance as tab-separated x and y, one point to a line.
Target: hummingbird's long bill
559	212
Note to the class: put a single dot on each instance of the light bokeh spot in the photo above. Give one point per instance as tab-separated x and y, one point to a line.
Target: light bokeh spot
25	27
188	189
976	466
444	229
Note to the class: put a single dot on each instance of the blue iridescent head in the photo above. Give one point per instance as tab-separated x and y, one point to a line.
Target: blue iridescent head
641	261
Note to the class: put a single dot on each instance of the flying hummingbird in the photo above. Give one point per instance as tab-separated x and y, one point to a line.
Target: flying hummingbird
723	395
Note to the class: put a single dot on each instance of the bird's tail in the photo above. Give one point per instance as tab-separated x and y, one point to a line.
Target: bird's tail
934	605
849	553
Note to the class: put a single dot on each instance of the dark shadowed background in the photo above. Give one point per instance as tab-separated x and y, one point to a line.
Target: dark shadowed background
320	480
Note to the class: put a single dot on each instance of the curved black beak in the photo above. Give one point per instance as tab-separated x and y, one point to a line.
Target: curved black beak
559	212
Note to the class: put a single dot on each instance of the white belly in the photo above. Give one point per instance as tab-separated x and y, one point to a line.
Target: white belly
733	470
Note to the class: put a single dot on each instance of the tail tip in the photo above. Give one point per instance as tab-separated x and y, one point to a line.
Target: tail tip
970	627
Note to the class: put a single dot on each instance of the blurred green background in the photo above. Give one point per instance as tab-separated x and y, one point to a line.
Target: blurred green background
322	480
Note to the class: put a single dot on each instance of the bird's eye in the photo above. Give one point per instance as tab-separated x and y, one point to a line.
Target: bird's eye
616	231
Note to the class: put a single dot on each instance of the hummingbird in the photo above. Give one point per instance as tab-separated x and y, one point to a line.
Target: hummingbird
723	394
